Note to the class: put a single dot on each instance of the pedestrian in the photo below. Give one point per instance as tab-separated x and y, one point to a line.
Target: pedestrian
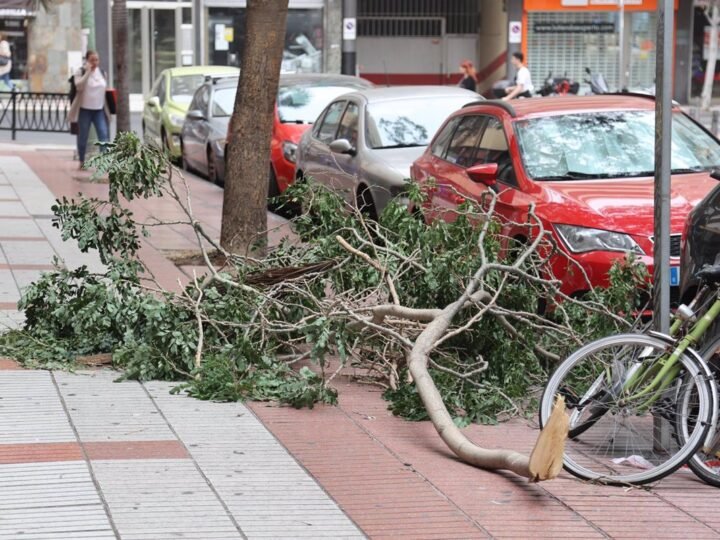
5	62
90	106
469	79
523	86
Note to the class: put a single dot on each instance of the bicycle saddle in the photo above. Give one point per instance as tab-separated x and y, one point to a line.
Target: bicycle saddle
709	274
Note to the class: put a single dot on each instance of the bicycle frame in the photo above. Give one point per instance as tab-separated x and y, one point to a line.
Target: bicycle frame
666	369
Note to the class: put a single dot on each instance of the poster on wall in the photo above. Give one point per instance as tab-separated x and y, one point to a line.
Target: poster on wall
221	42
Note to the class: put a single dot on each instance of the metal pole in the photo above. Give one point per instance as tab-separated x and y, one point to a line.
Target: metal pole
198	34
14	111
621	44
349	50
663	137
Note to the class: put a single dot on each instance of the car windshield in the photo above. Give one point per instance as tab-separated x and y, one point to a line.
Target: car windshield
408	122
609	144
301	104
223	101
182	87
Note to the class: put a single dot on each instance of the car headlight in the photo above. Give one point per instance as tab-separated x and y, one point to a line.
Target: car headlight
177	120
290	151
583	239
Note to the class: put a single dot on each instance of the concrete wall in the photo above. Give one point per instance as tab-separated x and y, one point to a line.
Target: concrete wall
51	36
492	43
333	36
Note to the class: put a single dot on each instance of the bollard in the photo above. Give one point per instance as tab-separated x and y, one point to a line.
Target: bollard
715	124
694	113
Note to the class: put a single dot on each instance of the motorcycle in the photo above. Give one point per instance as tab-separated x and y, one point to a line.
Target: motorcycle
558	86
597	82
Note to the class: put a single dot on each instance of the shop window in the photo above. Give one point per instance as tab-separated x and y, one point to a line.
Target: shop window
303	51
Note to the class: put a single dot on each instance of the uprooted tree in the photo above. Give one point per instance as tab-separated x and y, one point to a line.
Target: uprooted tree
442	316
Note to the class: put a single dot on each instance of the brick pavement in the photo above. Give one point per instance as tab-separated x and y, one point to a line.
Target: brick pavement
79	452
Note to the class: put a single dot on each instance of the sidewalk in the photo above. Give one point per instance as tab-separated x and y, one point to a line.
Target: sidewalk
84	457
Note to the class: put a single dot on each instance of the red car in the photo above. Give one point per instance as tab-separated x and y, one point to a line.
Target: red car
585	162
301	98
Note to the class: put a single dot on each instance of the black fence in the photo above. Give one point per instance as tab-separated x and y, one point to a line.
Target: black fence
34	111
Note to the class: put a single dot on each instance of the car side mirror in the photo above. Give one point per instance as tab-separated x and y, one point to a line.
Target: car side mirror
485	173
715	174
195	115
342	146
154	102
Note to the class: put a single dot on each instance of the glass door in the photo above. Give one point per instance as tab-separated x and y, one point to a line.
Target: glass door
154	34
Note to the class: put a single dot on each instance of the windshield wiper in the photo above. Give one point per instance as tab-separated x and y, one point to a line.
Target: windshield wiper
402	145
573	175
679	170
298	121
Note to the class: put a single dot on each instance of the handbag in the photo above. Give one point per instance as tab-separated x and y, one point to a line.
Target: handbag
74	128
111	100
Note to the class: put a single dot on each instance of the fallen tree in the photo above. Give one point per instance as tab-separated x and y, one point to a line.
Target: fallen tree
442	315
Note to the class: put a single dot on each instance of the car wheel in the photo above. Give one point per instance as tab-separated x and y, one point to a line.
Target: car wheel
365	203
164	144
212	173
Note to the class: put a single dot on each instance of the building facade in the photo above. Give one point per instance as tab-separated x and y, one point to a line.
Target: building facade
45	46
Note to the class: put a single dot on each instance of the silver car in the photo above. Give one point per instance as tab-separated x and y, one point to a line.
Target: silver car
202	140
363	143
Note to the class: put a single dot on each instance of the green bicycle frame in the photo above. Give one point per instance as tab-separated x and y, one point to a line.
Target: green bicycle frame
667	368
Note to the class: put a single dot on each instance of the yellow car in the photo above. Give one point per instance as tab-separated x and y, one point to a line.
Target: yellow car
168	101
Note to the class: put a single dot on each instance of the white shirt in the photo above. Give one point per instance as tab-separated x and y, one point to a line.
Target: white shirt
523	78
93	95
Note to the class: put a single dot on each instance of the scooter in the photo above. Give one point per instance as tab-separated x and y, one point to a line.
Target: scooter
597	82
558	86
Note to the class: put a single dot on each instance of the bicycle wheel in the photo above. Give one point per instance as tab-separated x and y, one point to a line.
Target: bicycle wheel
617	436
705	463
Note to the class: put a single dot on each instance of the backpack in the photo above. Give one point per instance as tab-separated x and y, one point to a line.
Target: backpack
73	89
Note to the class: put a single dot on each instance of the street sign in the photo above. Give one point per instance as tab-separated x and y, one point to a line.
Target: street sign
349	28
515	32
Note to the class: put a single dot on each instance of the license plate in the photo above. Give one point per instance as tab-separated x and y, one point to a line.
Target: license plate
674	276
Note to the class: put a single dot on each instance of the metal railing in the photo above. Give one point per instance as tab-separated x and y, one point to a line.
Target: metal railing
34	111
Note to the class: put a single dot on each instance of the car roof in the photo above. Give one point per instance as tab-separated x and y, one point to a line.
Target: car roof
203	70
554	105
390	93
328	79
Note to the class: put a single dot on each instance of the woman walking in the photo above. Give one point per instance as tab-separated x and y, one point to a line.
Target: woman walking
89	106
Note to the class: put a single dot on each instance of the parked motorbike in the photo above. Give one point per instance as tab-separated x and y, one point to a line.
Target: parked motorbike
597	82
498	90
558	86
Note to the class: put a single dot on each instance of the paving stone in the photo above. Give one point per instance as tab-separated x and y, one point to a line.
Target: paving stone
12	209
260	482
37	198
10	319
21	253
7	193
170	499
68	251
105	410
18	228
30	409
9	292
24	278
50	501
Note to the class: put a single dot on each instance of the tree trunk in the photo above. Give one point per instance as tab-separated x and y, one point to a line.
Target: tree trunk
244	217
120	63
714	19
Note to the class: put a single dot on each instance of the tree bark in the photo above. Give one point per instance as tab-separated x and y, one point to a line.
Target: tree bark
120	63
244	217
713	16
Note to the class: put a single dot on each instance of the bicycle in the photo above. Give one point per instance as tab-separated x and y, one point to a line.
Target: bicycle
642	404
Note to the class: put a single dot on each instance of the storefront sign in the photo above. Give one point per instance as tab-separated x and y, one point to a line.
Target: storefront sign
515	32
574	28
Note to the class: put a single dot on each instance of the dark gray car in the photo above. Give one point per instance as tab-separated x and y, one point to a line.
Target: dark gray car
363	143
701	241
202	140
